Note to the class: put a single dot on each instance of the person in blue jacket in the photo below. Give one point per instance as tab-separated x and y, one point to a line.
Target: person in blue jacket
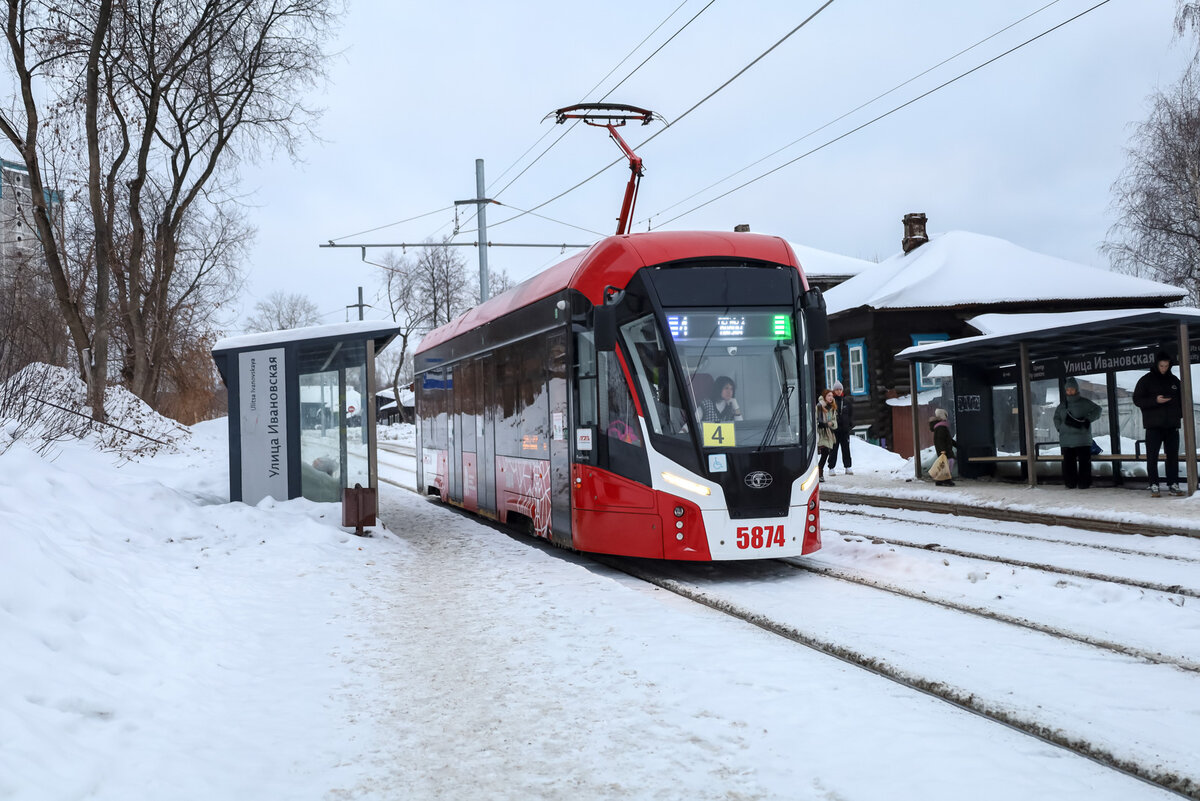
1073	418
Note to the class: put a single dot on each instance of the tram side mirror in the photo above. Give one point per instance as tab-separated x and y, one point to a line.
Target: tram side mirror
812	304
605	321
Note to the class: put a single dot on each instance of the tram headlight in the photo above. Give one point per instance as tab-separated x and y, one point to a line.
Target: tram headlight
683	483
679	511
808	482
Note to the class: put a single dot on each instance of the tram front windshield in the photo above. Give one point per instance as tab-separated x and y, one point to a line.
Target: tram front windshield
740	386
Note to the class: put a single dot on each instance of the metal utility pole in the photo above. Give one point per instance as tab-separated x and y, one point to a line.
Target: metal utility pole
360	305
481	205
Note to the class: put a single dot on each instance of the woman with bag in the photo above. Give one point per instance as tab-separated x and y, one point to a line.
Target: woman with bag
1073	418
826	426
942	470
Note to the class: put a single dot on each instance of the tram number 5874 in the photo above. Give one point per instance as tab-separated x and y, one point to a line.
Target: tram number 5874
760	536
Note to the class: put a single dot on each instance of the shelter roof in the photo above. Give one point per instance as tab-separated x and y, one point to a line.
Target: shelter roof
358	329
959	268
1053	335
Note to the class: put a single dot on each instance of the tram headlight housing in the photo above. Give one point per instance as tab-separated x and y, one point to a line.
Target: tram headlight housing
806	485
684	483
679	511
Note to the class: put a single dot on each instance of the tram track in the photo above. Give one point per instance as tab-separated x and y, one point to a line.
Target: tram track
965	699
841	509
1171	589
1154	657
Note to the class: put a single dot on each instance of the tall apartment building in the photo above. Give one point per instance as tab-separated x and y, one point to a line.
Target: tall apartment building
18	236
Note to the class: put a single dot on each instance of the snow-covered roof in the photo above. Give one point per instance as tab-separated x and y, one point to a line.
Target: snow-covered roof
923	398
959	268
406	396
996	323
1051	327
361	328
329	396
823	264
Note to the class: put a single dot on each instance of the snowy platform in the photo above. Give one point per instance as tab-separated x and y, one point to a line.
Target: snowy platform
1119	509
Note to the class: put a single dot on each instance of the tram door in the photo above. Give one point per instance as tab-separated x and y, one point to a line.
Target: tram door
468	405
486	377
453	432
560	450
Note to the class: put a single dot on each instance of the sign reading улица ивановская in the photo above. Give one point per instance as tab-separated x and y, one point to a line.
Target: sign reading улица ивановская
263	416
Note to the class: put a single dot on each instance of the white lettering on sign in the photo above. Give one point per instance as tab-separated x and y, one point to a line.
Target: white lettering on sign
263	425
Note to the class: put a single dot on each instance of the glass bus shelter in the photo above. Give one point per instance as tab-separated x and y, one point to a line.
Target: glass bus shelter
302	410
1006	385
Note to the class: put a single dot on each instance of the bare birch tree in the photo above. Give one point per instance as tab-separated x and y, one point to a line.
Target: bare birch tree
1157	196
158	103
35	52
283	310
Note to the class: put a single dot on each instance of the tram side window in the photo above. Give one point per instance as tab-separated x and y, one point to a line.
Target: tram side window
467	403
618	416
524	427
585	371
665	407
433	410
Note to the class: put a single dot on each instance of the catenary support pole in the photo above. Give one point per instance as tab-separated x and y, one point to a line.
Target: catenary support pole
916	422
482	207
1027	414
1189	410
360	306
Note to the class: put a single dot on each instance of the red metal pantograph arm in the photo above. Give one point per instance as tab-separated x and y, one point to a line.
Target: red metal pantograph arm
612	116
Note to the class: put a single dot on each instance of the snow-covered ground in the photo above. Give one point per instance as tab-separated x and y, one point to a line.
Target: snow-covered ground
159	642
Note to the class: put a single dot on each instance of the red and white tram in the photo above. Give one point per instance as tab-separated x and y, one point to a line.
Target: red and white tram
579	403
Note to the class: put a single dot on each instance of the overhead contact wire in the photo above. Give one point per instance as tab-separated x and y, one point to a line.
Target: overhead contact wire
887	113
610	91
860	107
706	98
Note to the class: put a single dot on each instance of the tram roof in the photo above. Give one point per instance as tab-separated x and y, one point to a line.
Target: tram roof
613	261
1054	335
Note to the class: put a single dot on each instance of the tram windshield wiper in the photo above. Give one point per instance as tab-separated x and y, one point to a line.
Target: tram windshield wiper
776	416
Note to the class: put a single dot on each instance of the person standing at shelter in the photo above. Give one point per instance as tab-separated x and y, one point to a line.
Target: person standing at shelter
1073	418
943	443
1157	395
845	424
826	428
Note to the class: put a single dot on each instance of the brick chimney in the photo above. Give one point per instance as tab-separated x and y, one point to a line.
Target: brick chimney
741	228
914	232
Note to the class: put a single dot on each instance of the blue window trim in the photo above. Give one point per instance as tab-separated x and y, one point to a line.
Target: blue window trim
918	339
861	344
836	350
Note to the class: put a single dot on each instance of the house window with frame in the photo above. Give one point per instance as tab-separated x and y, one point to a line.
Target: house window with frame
924	369
857	362
831	366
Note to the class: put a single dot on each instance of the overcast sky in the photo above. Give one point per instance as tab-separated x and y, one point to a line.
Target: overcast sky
1025	149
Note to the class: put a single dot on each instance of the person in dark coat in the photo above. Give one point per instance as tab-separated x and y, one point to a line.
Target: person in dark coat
1157	394
1073	418
939	424
845	425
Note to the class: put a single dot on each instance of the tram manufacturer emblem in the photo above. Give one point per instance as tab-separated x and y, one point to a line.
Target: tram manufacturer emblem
758	480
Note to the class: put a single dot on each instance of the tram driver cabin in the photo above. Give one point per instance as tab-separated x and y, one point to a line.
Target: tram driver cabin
570	404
